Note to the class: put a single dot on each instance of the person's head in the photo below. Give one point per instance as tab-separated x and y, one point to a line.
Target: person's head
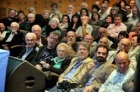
32	10
65	19
21	15
88	39
54	6
138	27
113	11
122	34
117	19
109	19
134	12
132	3
63	50
2	27
46	14
97	2
14	26
70	9
101	53
84	12
12	13
107	2
104	41
71	36
124	45
103	8
95	16
135	40
122	61
95	8
31	17
54	23
30	40
36	29
53	39
102	32
76	18
128	9
82	50
84	5
56	15
122	3
84	19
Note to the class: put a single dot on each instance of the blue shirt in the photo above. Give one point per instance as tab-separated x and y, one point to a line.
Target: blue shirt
72	71
28	50
115	81
97	65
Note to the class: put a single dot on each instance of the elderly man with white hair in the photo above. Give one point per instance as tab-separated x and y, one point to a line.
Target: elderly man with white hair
36	29
15	37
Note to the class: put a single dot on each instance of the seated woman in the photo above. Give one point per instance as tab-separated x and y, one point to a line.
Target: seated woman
56	65
108	21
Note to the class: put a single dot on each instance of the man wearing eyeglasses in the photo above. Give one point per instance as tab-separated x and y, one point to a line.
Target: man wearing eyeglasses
48	51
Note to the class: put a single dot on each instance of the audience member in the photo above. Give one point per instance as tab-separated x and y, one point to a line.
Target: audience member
77	68
75	23
10	18
108	20
119	76
95	19
124	45
56	65
30	49
115	28
46	16
71	11
48	51
21	19
84	29
99	73
14	37
54	10
41	41
2	31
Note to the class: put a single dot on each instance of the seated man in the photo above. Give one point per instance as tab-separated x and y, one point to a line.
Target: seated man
48	51
119	76
99	73
15	37
115	28
84	29
124	45
77	67
36	29
31	48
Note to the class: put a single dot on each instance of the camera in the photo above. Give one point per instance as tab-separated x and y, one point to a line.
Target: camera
66	85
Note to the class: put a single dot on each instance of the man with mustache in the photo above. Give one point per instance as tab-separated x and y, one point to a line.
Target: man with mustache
99	73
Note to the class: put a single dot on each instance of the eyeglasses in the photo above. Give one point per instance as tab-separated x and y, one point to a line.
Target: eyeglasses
55	39
32	40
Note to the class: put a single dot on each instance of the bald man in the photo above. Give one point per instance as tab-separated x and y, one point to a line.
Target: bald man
118	76
124	45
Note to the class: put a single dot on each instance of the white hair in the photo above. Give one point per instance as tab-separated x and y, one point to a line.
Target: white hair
15	23
54	19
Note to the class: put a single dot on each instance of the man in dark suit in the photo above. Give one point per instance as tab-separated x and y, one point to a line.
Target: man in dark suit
12	39
31	48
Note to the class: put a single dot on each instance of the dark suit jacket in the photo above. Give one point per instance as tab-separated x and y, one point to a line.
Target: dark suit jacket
17	39
43	41
31	55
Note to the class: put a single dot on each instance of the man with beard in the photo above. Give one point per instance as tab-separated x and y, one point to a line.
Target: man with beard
48	51
99	73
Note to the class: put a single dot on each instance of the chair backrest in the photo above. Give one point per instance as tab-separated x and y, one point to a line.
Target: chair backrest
129	26
95	31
